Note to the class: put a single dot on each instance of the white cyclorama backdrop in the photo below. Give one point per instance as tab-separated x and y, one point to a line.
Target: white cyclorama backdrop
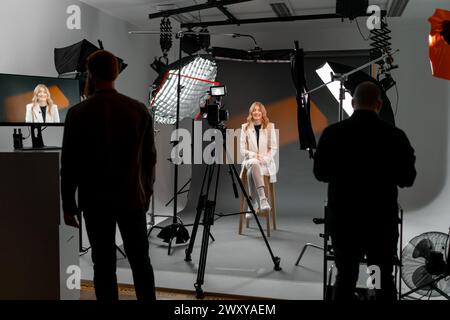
36	27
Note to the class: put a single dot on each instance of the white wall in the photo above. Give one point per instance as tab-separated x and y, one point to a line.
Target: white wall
30	31
35	28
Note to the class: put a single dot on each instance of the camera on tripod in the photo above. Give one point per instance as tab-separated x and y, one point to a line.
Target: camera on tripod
214	111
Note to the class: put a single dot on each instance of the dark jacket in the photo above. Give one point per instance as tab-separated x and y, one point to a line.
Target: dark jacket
108	154
364	160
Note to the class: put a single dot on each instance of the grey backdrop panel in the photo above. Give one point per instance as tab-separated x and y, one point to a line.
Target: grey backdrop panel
297	191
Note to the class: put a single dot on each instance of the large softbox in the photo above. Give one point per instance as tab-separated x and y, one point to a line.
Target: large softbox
198	74
70	61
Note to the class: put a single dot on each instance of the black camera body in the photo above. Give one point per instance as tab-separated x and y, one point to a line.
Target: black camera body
216	114
214	111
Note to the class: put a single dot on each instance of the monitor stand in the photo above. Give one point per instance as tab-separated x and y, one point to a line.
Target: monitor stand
37	141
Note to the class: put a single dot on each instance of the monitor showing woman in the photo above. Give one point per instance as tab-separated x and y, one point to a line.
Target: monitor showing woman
258	146
42	109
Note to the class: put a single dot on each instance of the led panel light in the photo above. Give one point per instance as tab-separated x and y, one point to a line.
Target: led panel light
324	72
198	74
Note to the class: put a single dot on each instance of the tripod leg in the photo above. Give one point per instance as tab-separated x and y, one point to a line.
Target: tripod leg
180	191
211	236
200	205
208	220
194	230
203	252
306	246
151	229
170	246
276	260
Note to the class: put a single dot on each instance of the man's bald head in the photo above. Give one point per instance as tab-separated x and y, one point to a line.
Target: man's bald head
367	96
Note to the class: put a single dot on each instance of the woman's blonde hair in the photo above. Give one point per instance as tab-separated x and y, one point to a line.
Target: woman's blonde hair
34	101
262	108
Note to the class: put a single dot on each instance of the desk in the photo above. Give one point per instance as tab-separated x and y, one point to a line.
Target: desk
36	246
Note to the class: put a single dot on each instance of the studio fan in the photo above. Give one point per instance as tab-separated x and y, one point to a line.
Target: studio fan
425	265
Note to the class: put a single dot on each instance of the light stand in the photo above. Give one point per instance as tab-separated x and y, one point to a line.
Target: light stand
152	222
176	229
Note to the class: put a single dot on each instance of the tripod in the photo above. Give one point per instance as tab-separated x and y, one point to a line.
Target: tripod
207	207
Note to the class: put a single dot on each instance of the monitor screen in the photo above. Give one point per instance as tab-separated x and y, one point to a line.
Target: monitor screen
24	99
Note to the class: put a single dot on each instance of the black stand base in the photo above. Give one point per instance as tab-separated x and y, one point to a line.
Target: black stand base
430	286
177	221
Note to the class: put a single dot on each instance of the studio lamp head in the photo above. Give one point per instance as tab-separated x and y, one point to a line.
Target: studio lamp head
328	70
198	74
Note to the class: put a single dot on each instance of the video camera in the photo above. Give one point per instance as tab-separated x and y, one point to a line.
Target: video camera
213	111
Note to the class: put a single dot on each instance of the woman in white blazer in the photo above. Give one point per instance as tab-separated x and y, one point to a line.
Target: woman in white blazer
42	109
258	145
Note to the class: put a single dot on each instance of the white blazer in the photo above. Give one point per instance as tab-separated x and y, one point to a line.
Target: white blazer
34	114
268	147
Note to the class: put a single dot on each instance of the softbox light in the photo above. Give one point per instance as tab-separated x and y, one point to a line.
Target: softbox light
325	72
198	74
70	61
350	85
73	58
305	131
